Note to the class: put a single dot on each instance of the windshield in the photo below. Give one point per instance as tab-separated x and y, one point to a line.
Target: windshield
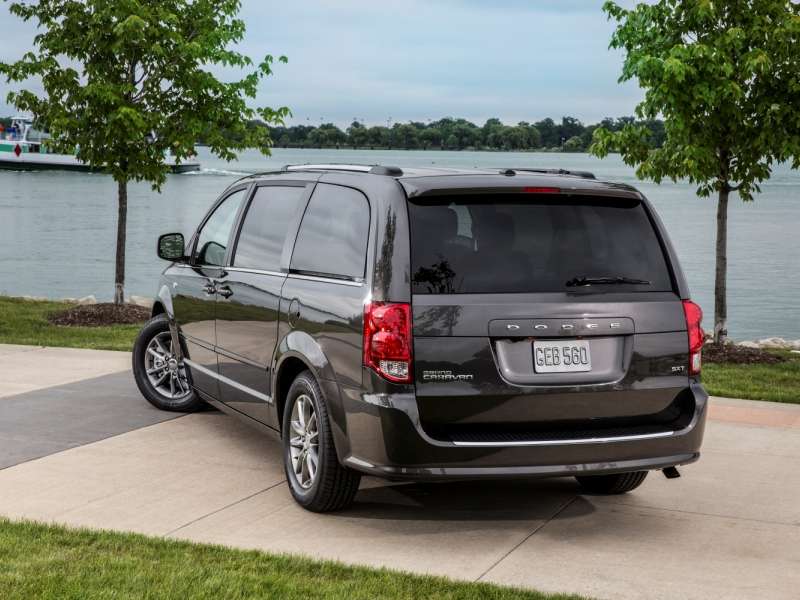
501	243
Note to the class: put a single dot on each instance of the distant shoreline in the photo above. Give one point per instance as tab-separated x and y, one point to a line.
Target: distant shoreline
437	149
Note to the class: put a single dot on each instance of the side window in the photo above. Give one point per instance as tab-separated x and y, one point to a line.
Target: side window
265	227
333	235
213	239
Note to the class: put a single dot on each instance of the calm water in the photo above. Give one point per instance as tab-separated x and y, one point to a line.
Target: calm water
57	230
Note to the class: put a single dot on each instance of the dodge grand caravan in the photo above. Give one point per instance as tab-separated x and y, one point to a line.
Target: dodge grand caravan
433	324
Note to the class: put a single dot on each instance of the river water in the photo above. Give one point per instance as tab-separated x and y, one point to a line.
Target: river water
57	229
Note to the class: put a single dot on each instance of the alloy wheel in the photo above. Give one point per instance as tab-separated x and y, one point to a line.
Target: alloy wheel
304	441
165	373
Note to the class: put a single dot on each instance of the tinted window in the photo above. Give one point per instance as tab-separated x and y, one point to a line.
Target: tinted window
499	244
333	235
213	239
265	226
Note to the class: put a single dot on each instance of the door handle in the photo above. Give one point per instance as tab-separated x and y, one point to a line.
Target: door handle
209	289
225	291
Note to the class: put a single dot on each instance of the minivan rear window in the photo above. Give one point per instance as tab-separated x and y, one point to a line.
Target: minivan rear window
503	243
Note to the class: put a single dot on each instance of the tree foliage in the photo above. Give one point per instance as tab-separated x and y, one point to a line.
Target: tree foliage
725	77
126	81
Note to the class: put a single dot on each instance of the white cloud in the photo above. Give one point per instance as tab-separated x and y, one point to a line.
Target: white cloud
415	59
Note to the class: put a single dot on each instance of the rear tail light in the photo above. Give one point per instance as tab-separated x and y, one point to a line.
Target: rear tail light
387	340
694	315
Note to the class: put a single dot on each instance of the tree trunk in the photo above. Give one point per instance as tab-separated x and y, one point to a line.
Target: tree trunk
720	282
122	218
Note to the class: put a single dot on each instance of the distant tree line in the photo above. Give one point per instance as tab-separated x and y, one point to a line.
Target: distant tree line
570	135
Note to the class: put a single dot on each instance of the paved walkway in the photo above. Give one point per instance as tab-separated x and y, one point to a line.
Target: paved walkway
21	367
729	528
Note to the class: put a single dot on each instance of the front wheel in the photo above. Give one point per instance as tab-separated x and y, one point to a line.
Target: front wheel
162	380
617	483
316	479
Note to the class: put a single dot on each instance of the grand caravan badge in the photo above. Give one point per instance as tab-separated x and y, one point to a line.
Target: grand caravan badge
445	376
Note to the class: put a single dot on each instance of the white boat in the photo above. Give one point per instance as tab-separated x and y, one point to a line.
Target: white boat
24	148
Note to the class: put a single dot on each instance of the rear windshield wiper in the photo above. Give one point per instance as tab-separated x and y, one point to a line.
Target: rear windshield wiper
583	280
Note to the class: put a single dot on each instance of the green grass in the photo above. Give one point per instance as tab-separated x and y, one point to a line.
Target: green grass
25	322
777	383
45	561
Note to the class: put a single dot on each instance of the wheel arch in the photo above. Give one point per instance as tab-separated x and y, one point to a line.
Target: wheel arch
296	352
163	303
158	309
289	367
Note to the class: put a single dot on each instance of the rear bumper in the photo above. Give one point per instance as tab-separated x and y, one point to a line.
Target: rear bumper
384	438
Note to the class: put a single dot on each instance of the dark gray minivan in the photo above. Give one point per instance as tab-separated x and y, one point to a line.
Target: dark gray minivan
433	324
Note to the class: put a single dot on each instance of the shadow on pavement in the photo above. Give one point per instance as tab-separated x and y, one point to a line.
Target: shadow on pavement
481	501
42	422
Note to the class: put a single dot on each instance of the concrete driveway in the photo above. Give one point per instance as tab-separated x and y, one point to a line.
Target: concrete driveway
93	453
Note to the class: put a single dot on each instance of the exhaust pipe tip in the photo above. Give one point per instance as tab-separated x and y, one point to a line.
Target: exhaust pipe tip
671	472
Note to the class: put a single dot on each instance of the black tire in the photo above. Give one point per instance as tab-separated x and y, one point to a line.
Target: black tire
618	483
334	486
154	327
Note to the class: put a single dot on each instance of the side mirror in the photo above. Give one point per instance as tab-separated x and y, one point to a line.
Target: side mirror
171	246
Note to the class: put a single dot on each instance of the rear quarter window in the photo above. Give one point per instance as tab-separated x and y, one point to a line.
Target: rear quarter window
507	243
333	235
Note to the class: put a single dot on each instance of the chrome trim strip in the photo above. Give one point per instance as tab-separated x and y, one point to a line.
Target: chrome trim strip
229	382
358	462
597	440
255	271
326	279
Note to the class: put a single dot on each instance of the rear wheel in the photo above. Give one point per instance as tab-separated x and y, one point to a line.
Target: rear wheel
159	375
316	479
618	483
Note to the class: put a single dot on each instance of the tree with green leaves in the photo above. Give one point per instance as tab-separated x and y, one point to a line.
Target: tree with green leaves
492	132
725	77
548	133
406	135
534	137
127	81
431	136
573	144
357	134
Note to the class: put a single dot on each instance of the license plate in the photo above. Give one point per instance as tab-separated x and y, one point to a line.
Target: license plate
562	356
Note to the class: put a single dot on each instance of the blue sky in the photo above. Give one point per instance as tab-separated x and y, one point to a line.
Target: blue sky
419	60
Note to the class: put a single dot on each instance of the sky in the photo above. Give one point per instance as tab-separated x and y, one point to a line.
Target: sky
401	60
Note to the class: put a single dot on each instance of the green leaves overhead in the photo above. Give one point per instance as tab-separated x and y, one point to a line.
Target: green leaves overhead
725	77
127	81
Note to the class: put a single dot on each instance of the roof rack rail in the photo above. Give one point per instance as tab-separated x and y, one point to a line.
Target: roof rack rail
353	168
386	170
257	174
583	174
329	167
